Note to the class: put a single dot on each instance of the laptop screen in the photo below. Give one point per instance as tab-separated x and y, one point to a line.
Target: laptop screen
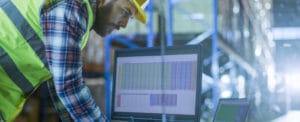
147	84
232	110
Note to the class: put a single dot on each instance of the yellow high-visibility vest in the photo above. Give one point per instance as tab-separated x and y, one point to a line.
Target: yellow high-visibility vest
23	64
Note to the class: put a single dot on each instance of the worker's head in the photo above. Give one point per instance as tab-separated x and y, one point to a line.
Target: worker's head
114	14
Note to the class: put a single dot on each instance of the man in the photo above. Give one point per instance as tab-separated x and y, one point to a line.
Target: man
42	40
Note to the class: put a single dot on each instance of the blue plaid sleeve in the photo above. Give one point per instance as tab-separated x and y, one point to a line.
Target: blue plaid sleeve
63	27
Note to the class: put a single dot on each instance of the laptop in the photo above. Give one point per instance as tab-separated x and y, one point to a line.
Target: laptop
232	110
140	93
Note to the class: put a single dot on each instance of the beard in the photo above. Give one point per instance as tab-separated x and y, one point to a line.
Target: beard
102	24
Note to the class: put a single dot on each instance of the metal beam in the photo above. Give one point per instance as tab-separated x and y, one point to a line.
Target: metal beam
238	59
151	34
201	37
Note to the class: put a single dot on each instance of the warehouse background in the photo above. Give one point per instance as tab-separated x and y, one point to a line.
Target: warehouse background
250	51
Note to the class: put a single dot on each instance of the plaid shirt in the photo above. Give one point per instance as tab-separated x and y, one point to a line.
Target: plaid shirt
64	24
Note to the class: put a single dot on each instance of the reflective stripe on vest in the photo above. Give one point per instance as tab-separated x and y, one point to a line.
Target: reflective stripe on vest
14	74
26	30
